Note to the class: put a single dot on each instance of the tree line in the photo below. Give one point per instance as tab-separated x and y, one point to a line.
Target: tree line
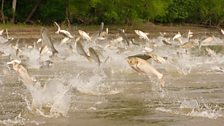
208	12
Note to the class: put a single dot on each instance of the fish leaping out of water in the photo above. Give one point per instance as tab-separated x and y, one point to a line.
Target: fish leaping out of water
124	36
22	72
178	37
7	35
190	44
206	41
167	42
92	53
152	56
142	66
142	56
189	35
102	33
142	35
16	47
157	58
63	32
47	41
222	31
84	35
1	32
80	50
101	28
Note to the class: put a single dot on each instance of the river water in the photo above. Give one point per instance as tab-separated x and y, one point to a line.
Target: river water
82	93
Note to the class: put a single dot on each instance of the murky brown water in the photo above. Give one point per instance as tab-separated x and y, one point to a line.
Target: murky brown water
116	95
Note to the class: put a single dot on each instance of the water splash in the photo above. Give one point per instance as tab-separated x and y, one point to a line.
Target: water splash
51	100
33	57
92	84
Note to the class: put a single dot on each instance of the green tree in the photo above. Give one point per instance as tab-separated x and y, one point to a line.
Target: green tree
209	12
51	10
212	12
183	11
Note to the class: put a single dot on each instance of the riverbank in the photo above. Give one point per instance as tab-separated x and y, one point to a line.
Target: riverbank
33	31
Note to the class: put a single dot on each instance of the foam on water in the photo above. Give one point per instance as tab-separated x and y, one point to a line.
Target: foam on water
192	103
18	120
214	114
193	109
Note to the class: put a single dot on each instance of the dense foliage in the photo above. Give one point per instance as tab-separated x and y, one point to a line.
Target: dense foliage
209	12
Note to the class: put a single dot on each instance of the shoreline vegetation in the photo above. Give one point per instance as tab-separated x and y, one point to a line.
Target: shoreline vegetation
206	13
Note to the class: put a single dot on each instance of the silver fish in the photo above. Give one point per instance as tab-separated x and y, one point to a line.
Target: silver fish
93	55
81	50
142	66
142	56
101	28
124	36
22	72
47	41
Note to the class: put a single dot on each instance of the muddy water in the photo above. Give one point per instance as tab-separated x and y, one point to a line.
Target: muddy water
116	95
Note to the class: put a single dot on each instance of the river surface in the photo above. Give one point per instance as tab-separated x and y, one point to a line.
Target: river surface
114	94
